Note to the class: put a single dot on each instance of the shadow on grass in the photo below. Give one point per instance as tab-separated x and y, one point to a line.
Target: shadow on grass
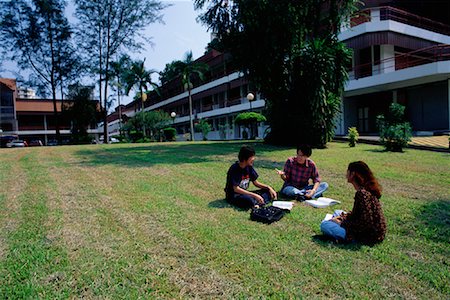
222	203
139	155
433	221
382	150
325	241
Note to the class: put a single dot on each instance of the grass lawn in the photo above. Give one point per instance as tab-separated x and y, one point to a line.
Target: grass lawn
149	221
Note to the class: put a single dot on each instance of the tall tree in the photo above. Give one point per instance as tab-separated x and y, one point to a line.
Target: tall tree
35	33
188	69
290	50
108	27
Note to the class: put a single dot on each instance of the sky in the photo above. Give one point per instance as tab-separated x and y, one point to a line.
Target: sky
171	40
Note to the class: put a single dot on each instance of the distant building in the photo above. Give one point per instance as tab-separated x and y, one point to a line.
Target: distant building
8	95
219	98
32	119
26	93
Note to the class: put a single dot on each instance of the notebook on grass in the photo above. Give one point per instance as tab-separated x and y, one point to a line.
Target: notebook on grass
322	202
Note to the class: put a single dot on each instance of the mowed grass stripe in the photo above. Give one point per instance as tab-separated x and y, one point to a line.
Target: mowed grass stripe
29	269
114	258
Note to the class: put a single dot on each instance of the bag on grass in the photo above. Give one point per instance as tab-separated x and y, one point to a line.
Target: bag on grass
267	214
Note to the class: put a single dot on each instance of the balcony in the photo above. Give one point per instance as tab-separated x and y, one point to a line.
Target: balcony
402	61
384	13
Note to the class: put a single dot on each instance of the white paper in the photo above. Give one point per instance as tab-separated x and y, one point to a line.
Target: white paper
283	204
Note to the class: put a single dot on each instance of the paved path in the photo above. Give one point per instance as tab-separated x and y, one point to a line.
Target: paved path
436	143
431	141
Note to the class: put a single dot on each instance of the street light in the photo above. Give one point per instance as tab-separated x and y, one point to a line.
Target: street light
250	98
173	115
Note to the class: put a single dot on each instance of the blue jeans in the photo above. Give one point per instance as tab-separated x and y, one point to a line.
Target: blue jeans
333	229
292	192
245	201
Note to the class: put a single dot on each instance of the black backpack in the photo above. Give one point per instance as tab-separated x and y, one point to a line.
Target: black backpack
267	214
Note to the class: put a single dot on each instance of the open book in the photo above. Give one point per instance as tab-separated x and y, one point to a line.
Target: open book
322	202
283	204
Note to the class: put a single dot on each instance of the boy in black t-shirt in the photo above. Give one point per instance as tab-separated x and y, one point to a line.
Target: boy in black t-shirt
238	179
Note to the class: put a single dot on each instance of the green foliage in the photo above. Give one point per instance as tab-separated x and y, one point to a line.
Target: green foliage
204	127
296	61
170	134
395	132
107	28
247	118
149	123
171	71
353	136
139	78
37	35
224	130
82	112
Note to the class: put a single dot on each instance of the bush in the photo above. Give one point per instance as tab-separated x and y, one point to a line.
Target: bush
249	120
353	136
170	133
204	127
395	133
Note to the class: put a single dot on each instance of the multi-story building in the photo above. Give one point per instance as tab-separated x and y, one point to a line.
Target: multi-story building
32	119
218	98
8	95
401	53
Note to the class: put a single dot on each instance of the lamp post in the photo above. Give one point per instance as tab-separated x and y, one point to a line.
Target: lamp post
250	98
173	115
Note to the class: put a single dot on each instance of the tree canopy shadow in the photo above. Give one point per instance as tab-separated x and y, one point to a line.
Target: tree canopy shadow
140	155
433	221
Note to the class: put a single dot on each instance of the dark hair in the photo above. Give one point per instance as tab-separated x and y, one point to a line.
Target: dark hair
364	177
306	149
245	153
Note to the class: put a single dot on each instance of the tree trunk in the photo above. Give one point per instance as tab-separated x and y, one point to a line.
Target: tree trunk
52	80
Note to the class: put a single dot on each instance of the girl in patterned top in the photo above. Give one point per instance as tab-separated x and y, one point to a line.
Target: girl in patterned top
366	222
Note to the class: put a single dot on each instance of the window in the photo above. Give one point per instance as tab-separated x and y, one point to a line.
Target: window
363	119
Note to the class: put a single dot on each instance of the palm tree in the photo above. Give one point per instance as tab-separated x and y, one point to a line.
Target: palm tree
118	71
188	67
139	78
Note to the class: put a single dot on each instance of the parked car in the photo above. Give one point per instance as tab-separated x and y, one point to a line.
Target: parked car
35	143
15	143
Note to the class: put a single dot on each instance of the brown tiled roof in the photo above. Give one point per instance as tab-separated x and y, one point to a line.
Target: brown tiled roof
36	105
10	83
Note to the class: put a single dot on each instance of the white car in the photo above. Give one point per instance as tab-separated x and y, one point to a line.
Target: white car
15	143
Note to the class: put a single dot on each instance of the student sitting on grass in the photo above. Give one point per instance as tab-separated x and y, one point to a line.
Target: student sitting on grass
238	179
296	174
365	223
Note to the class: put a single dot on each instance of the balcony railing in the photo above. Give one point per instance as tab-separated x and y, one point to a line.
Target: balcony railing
402	61
395	14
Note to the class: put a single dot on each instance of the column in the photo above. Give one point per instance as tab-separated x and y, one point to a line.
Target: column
387	57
